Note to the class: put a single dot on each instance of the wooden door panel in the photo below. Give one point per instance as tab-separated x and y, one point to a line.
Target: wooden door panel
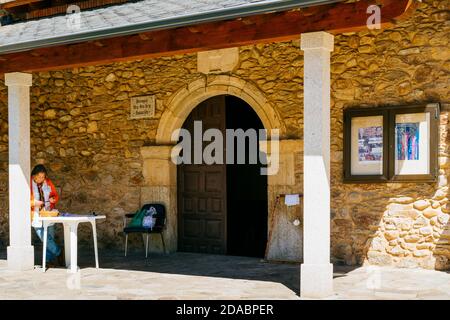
202	190
202	205
187	206
193	227
213	229
213	181
192	181
216	205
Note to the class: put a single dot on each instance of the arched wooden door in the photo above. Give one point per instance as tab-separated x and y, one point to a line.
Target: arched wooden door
222	208
202	189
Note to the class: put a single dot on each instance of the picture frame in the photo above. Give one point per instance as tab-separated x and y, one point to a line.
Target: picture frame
391	144
414	140
357	166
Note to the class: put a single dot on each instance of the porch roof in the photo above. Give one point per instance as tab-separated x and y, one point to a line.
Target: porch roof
134	17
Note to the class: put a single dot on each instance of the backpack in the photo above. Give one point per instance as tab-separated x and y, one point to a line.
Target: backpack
136	222
144	217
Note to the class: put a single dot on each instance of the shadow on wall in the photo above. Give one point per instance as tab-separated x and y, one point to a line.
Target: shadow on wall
393	224
441	251
409	231
413	230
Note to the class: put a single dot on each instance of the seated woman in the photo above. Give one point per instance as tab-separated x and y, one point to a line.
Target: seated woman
44	195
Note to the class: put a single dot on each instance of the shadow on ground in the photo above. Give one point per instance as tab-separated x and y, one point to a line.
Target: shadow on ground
204	265
192	264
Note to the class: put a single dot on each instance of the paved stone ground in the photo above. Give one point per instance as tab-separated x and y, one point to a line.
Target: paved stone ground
388	283
197	276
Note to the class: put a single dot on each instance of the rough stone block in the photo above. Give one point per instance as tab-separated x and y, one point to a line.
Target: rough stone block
397	251
402	200
391	235
378	244
426	231
412	238
421	205
413	214
430	213
420	222
378	258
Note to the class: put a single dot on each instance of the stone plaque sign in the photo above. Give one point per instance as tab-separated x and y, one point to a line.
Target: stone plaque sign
143	107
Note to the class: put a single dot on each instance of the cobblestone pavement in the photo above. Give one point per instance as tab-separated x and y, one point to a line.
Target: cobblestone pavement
197	276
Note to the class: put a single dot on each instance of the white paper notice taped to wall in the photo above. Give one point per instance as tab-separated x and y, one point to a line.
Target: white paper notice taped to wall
292	200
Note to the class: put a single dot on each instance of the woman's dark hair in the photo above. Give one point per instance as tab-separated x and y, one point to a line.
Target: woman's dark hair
39	169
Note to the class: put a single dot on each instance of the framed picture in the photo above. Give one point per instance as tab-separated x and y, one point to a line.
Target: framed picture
366	143
415	143
391	144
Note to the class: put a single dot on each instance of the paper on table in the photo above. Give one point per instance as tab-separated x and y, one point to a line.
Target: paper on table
292	200
66	214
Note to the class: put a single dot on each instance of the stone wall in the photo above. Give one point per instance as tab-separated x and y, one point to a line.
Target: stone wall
404	224
81	131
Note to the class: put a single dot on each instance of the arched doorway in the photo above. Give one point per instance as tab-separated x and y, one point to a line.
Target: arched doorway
222	208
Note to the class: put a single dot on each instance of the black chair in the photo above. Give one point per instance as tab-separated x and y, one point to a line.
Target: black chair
160	224
6	19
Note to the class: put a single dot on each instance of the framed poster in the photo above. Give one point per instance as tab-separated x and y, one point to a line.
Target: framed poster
367	133
365	145
391	144
415	143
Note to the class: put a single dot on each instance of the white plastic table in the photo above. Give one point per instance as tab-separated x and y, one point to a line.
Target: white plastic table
70	238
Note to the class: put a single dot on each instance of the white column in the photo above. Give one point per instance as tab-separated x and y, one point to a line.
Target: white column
316	279
20	250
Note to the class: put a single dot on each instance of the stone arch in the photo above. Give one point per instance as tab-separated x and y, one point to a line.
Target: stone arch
160	173
180	104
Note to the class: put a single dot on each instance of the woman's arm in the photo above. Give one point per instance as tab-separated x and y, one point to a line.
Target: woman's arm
53	192
35	202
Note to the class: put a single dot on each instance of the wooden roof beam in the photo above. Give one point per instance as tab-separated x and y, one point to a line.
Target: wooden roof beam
18	3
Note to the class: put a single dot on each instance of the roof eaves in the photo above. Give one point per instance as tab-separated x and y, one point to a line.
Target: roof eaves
211	16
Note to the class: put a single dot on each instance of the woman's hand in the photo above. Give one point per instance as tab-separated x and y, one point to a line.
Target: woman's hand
38	203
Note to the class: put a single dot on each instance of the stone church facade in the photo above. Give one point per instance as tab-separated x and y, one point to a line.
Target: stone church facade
102	161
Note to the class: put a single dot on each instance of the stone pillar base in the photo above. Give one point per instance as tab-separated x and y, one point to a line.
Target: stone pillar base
20	258
316	281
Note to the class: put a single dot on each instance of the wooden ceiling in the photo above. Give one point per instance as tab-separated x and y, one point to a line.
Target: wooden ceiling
272	27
